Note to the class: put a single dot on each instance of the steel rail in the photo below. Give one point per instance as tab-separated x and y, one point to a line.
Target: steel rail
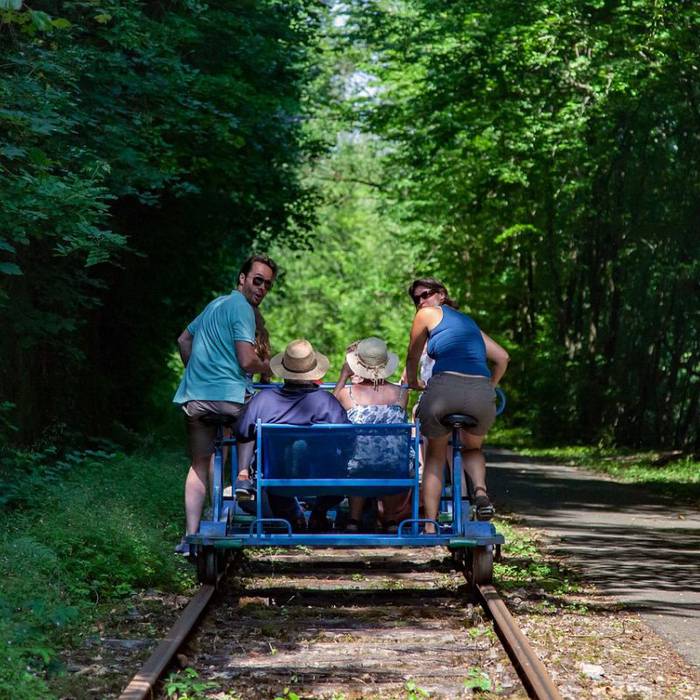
531	670
143	683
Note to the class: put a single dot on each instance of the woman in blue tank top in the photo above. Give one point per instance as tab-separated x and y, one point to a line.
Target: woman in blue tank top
462	382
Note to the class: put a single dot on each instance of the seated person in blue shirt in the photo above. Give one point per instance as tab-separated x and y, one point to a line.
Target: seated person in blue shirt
300	401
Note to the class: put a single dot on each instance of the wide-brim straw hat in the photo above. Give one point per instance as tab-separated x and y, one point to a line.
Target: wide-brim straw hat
299	361
371	359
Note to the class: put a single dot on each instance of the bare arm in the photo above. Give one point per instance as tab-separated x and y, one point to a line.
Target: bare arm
402	399
249	360
184	345
424	320
339	391
498	356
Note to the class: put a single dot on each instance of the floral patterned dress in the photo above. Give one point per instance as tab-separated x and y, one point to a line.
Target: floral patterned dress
378	452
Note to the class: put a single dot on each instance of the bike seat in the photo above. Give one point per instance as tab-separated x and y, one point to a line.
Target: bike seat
458	420
221	419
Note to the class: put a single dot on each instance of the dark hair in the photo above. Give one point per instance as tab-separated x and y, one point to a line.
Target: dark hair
265	259
434	285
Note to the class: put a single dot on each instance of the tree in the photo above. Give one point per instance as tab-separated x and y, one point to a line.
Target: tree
143	146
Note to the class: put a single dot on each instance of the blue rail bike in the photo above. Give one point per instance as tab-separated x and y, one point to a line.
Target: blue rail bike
319	461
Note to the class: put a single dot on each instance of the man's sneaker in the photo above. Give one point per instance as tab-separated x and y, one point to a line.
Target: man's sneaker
182	548
244	490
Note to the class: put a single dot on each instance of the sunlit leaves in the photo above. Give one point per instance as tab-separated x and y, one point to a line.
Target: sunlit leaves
550	143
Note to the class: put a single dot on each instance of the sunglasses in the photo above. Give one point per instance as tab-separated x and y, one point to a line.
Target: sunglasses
260	281
424	295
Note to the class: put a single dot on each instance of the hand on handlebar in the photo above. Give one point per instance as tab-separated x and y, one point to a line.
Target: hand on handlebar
418	385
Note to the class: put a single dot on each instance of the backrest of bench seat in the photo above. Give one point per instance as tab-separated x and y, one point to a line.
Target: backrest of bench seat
377	452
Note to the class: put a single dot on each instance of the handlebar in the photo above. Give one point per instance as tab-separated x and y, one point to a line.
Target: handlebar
500	405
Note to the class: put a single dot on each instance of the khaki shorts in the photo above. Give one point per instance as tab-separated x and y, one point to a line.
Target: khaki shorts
200	434
451	392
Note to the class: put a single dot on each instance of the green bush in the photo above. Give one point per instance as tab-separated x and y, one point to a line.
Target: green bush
102	533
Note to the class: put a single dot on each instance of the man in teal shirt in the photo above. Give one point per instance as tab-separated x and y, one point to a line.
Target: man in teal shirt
218	350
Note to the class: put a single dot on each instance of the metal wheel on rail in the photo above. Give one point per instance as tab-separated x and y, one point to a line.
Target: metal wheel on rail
210	563
480	566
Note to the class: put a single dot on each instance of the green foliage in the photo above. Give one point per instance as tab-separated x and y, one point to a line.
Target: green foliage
678	477
477	680
524	566
549	148
184	685
23	471
141	150
287	694
350	282
101	532
414	691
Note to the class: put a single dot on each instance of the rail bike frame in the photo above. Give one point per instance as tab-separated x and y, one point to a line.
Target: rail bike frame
230	528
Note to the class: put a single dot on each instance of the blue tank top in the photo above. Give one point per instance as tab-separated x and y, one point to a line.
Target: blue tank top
456	345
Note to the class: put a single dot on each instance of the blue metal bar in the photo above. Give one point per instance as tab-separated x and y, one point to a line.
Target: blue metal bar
260	521
322	385
456	483
218	476
397	427
259	474
415	505
312	481
346	540
234	461
501	400
414	522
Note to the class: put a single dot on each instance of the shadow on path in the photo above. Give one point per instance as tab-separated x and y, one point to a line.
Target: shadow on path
631	542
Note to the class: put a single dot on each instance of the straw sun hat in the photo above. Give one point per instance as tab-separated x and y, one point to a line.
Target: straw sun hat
371	359
299	361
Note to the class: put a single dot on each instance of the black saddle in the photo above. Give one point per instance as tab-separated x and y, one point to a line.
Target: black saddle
219	419
458	420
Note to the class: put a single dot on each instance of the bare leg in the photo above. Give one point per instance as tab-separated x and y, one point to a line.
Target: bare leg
245	454
473	461
356	505
432	477
196	492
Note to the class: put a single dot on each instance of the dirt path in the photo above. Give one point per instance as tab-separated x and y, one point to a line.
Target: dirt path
638	547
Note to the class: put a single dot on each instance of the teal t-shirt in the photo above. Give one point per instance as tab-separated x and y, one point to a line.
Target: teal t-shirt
213	372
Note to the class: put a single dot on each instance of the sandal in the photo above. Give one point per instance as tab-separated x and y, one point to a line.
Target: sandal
352	526
483	506
434	529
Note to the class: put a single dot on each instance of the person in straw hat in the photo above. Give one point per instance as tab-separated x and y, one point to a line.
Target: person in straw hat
299	401
370	398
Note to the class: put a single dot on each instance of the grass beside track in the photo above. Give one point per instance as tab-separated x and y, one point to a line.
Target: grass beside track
664	472
72	547
81	537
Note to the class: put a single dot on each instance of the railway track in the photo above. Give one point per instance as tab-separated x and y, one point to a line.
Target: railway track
343	599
